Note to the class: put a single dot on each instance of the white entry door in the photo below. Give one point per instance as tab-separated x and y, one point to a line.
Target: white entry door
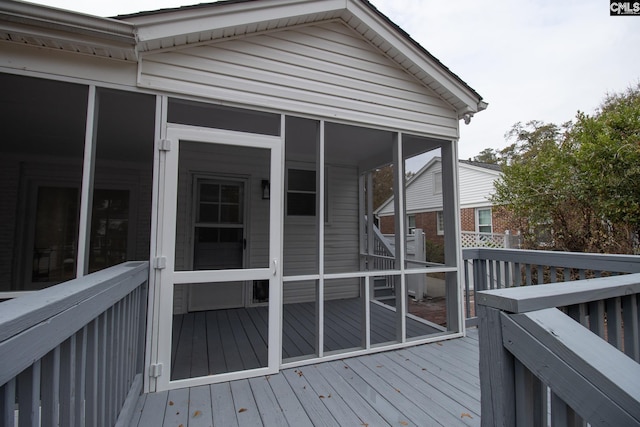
220	236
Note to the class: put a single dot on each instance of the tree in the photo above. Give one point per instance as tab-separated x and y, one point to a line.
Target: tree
577	181
488	155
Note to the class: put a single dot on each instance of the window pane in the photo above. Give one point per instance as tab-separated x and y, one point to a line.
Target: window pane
484	217
302	180
230	214
301	204
209	192
230	194
208	212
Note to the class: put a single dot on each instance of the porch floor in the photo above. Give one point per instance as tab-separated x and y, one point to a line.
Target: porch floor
214	342
429	384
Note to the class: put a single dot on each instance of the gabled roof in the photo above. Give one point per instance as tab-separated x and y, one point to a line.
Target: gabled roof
127	37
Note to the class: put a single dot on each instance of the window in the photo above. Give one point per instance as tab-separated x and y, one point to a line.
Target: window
483	220
440	223
437	183
411	223
301	193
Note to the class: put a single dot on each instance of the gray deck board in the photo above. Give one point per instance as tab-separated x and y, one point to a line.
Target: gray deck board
289	403
214	342
422	385
222	407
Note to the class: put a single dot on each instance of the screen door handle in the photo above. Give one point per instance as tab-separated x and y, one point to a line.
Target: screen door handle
275	267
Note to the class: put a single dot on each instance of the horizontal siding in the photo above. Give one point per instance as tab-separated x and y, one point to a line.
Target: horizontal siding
476	186
341	242
325	69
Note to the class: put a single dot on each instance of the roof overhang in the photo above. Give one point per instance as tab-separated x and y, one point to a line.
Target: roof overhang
54	28
129	36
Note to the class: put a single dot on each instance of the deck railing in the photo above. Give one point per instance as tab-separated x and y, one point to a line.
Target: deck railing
541	365
72	354
486	268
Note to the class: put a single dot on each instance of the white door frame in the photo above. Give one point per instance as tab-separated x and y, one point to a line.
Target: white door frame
168	277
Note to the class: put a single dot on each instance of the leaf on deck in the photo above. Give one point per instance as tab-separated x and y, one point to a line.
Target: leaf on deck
197	414
465	414
171	403
404	423
241	410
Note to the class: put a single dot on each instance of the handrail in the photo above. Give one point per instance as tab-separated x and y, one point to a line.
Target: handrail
581	361
486	268
73	353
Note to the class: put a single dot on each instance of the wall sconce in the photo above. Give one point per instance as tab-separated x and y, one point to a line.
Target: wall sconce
266	190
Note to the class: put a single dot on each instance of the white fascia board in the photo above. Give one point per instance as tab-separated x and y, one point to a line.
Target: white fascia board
45	19
432	67
194	20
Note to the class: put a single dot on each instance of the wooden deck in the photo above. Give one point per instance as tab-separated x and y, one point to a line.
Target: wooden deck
430	384
213	342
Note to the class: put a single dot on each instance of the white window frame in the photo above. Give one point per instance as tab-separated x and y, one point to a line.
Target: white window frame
440	223
478	225
411	223
437	183
307	167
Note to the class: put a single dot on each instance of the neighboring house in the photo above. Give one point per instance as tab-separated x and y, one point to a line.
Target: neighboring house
424	202
232	145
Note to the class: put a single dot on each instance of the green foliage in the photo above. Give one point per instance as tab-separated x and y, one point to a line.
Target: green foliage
488	155
578	183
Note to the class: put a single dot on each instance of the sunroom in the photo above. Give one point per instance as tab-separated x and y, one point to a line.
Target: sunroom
234	146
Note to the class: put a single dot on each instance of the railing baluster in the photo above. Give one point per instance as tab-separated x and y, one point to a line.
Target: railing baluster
67	381
102	363
91	396
83	350
528	280
29	395
81	366
596	317
8	403
614	322
631	320
50	388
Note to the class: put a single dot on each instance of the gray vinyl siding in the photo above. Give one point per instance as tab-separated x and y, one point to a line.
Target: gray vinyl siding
326	69
341	242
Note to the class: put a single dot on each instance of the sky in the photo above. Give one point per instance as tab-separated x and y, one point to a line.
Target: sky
529	59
